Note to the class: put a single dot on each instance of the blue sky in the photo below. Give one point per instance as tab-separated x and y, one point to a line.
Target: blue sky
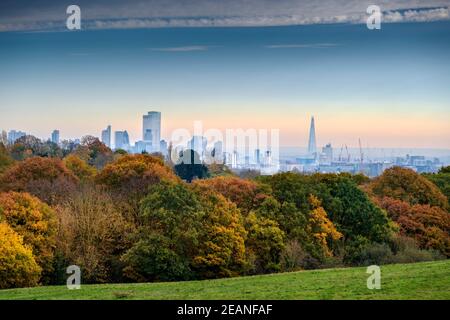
389	87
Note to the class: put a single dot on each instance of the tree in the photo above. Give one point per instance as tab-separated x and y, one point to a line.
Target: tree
79	168
429	226
246	194
93	234
17	265
46	178
189	166
264	243
5	159
442	181
406	185
30	146
129	178
199	230
35	222
94	152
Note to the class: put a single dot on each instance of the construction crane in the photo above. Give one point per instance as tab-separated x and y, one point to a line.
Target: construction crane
348	154
340	154
361	154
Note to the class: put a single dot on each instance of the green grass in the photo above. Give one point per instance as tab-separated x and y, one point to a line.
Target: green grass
427	280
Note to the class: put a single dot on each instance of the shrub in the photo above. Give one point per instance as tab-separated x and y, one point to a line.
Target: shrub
17	265
35	222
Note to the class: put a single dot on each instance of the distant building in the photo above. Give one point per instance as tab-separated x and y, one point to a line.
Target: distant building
55	136
312	147
327	153
13	135
151	129
198	144
106	136
121	140
163	148
257	156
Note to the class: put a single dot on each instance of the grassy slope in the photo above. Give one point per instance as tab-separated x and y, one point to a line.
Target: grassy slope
429	280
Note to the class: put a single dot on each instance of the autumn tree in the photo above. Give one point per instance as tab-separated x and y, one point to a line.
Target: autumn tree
246	194
129	178
92	234
186	233
442	181
406	185
46	178
82	170
35	222
5	159
94	152
18	267
429	226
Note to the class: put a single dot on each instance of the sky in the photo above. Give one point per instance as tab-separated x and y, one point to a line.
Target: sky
235	64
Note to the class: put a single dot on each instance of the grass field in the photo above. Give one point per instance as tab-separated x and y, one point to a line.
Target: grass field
428	280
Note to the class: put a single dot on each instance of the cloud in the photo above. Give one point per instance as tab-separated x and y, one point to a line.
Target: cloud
114	14
309	45
181	49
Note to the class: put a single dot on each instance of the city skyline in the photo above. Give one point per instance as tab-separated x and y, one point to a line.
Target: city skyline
389	87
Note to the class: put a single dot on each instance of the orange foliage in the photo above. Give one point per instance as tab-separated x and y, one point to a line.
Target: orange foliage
244	193
430	226
406	185
46	178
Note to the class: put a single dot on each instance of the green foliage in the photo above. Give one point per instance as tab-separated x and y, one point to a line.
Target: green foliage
189	166
5	159
152	259
264	243
442	181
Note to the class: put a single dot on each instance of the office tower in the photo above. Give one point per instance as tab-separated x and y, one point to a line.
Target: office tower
55	136
13	135
163	147
4	137
312	149
151	129
257	156
122	140
328	153
218	151
106	136
198	144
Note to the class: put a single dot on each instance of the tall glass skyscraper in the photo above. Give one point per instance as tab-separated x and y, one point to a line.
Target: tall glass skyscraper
151	129
106	136
312	148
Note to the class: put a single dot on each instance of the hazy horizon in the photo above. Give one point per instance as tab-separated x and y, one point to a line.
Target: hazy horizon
388	87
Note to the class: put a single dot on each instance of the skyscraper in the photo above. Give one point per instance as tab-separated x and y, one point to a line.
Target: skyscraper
122	140
106	136
13	135
55	136
151	129
312	148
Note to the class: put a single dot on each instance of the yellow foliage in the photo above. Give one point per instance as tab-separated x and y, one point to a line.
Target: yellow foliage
34	221
18	267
